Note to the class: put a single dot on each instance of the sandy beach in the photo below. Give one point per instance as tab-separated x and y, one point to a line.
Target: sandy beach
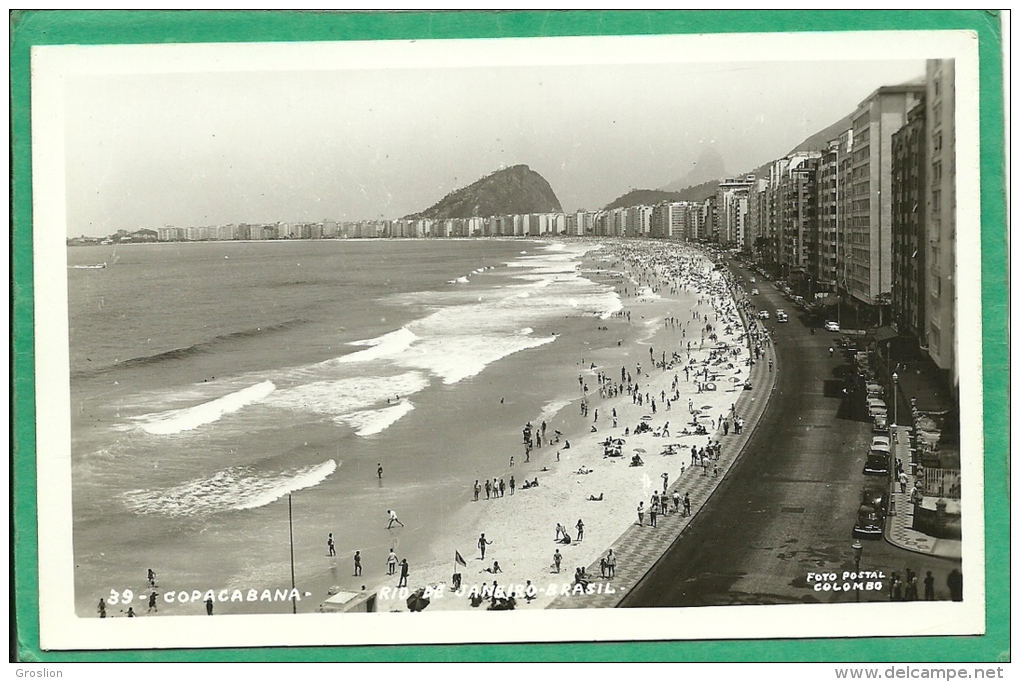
688	364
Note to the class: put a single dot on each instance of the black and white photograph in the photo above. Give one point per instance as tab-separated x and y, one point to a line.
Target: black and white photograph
511	340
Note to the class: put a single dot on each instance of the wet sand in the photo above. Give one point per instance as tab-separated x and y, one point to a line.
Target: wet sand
522	526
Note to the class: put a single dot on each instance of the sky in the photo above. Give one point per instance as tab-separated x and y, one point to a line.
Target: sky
188	149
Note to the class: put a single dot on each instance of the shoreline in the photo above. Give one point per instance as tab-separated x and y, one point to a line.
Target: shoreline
522	526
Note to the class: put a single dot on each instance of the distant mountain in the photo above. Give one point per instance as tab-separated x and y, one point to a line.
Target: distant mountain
678	191
642	197
709	166
516	189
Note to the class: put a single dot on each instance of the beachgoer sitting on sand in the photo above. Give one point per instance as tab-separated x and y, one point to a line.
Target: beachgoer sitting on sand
636	461
584	470
565	540
592	498
534	484
495	568
593	429
566	445
526	485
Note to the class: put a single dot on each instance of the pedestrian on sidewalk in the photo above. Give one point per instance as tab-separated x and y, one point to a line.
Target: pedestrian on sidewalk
903	482
652	512
641	513
611	564
929	587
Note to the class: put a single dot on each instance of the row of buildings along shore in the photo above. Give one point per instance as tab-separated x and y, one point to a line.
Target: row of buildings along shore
866	224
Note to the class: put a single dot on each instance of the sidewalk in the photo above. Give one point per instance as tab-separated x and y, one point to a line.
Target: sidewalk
898	530
640	547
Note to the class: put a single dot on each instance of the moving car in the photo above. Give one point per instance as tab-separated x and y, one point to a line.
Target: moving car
871	514
754	292
781	316
831	326
764	314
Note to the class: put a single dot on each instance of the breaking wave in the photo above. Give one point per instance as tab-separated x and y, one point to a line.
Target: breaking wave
236	488
190	418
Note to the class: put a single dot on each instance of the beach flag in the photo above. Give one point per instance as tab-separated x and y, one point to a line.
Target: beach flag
459	559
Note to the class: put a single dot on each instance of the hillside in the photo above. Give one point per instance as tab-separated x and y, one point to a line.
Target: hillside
643	197
700	192
517	189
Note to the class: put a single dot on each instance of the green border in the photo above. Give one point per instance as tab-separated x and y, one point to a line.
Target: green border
30	28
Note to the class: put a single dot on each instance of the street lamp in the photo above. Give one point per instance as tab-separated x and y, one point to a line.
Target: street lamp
858	549
895	396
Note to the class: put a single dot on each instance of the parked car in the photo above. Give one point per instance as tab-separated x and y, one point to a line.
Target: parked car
880	424
781	316
874	390
877	463
871	514
831	326
877	406
880	442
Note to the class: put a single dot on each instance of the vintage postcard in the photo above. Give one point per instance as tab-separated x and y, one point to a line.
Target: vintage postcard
584	339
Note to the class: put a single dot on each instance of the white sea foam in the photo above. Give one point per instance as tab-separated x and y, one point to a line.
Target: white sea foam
236	488
550	409
383	346
342	396
371	422
463	279
455	358
190	418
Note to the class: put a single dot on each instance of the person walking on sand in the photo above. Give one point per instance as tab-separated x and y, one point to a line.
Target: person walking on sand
393	519
404	571
488	488
482	542
557	558
152	578
477	489
379	471
391	562
560	531
330	546
102	605
580	530
513	484
208	606
152	603
357	562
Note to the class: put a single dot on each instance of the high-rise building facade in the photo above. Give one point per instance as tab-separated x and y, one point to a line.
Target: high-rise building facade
940	217
867	199
909	242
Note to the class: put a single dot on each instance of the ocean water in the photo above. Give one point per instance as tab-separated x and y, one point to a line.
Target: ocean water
209	381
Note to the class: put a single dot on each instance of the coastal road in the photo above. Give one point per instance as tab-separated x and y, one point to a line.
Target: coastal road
788	506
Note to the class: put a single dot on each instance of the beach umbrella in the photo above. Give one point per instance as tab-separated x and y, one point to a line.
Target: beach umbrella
639	450
418	601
